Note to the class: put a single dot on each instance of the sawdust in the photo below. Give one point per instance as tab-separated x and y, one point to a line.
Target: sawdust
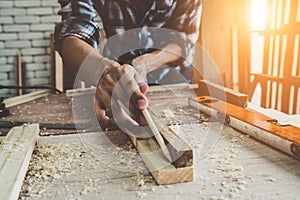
55	162
49	163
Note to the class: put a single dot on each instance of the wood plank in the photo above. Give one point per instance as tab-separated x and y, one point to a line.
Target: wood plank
164	172
283	137
177	86
17	100
208	88
15	154
19	73
56	67
237	161
181	153
80	92
156	88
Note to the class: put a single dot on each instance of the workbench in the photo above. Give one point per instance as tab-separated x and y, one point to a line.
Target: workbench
89	164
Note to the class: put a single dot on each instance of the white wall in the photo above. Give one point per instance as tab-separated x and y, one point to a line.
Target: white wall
26	25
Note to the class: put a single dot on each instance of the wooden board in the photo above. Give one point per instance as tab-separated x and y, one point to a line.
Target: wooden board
15	154
156	88
17	100
96	170
265	129
164	172
208	88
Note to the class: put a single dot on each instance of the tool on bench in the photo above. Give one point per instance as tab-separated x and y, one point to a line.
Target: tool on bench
157	135
283	137
154	130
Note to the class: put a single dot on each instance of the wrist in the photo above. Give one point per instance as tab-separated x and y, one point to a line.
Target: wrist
93	67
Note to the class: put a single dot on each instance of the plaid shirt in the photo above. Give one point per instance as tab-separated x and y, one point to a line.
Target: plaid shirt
175	21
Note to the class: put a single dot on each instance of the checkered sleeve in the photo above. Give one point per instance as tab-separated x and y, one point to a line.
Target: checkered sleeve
185	25
80	24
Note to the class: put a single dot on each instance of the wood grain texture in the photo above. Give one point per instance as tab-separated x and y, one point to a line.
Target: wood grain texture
208	88
15	154
162	170
156	88
166	171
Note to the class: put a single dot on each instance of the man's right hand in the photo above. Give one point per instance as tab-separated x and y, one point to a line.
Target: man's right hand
120	84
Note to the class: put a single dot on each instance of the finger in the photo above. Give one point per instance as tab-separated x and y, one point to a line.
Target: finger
143	87
105	122
103	97
126	123
134	89
108	83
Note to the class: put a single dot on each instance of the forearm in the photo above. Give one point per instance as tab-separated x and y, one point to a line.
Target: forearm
79	57
168	54
74	51
158	58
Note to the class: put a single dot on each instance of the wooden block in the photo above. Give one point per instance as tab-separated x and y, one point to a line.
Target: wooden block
283	137
15	153
17	100
181	153
207	88
162	171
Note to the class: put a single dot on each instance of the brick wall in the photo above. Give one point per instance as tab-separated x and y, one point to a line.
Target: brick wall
25	26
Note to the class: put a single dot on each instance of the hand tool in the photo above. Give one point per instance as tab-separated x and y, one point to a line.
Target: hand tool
156	134
154	130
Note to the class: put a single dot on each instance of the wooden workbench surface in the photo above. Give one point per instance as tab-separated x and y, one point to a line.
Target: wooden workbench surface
90	166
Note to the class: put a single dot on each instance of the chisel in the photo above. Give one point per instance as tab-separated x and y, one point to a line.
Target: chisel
157	135
154	130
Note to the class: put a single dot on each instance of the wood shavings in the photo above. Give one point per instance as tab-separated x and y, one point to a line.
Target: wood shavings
167	113
141	195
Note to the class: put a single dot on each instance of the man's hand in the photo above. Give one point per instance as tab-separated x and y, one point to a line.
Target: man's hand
120	84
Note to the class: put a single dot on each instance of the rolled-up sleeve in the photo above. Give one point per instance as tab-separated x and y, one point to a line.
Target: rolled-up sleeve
80	24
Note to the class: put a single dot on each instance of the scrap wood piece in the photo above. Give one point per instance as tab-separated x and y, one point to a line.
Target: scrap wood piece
80	92
15	153
162	171
208	88
282	137
17	100
19	72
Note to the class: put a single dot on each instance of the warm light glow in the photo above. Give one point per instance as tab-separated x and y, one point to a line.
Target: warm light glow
258	14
